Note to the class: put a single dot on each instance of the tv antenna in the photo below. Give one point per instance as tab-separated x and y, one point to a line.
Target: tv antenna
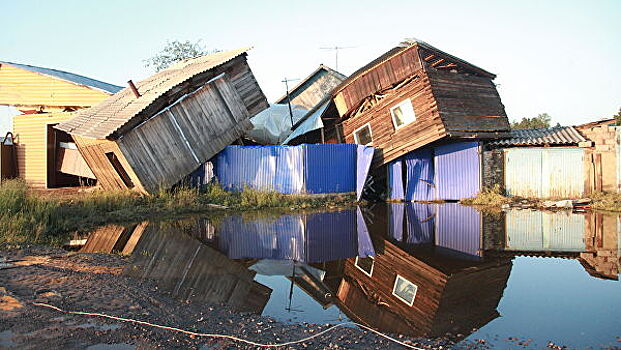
286	81
336	53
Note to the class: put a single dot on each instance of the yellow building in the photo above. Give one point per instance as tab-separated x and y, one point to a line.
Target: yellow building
46	157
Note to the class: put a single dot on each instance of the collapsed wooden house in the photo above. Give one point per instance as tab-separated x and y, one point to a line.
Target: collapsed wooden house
41	98
411	96
151	135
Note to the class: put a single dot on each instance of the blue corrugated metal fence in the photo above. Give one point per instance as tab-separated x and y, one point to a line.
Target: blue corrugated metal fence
447	172
334	168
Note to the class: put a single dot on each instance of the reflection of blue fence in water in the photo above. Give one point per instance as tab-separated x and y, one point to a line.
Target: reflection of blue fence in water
453	229
326	168
310	238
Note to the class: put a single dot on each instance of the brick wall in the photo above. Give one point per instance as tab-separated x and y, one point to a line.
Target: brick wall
602	162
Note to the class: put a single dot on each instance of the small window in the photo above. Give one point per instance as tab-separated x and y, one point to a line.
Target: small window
363	135
365	265
402	114
404	290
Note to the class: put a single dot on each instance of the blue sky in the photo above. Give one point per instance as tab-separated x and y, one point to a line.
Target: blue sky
559	57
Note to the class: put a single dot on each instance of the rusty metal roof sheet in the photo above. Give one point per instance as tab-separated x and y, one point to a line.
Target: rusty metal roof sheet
561	135
103	119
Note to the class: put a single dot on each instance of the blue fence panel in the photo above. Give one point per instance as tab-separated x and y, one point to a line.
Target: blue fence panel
281	239
395	180
289	176
365	244
331	236
238	166
395	221
458	170
420	223
420	184
330	168
458	231
364	158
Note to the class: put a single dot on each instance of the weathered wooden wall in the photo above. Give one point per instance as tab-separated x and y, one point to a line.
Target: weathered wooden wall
237	72
392	143
178	140
458	103
24	88
361	293
310	92
392	67
468	105
94	153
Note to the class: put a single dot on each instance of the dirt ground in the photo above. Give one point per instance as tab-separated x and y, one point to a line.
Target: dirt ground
94	283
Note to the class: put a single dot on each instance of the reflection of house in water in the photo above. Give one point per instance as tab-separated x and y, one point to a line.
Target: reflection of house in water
426	278
182	265
592	238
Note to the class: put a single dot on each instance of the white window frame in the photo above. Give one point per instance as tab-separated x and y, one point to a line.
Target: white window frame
367	125
394	287
407	102
370	274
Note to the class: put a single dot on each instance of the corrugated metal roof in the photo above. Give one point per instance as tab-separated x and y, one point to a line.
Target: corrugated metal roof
70	77
102	120
562	135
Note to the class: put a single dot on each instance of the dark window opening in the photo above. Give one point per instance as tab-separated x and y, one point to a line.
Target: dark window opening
118	167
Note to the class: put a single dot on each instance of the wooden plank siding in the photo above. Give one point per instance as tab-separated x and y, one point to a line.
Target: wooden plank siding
23	88
454	296
314	89
416	319
94	153
178	140
392	143
467	103
456	102
238	73
31	146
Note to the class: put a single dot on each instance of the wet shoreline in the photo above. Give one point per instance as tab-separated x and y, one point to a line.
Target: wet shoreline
92	283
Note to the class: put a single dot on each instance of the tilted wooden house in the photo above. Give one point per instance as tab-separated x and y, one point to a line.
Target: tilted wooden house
152	136
411	96
45	157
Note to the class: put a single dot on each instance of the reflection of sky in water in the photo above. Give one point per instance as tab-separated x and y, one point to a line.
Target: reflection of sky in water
550	299
545	299
303	307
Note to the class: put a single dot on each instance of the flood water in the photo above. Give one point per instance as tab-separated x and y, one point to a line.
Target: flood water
517	278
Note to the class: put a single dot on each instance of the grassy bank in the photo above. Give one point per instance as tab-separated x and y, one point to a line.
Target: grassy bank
25	216
606	201
493	197
488	197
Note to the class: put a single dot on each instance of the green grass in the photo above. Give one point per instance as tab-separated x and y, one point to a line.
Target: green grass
489	196
26	217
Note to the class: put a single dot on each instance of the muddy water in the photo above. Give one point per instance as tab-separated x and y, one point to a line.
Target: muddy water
509	279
